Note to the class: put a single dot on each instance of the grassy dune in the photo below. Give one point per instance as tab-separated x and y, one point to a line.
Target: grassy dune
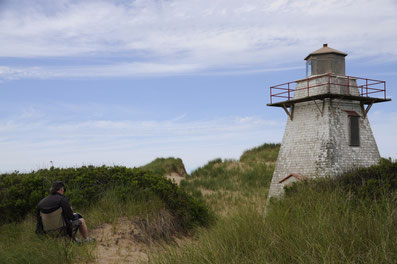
159	206
226	184
163	166
351	219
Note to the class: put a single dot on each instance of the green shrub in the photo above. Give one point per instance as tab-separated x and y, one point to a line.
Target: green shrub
350	219
267	152
18	244
21	192
163	166
365	183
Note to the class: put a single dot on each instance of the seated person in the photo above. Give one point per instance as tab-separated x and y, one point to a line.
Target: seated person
56	200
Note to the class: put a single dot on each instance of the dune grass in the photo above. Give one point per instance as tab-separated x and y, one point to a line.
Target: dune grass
151	201
267	152
307	227
326	229
350	219
19	244
163	166
228	183
110	208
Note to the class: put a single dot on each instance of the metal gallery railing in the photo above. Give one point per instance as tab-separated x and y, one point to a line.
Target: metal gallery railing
366	87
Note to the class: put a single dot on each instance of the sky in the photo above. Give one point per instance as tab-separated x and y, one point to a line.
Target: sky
124	82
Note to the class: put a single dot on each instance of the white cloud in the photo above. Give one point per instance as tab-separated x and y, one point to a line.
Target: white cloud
383	125
97	71
32	138
176	36
30	144
123	70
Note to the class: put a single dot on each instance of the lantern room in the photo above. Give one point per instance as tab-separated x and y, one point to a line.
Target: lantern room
325	60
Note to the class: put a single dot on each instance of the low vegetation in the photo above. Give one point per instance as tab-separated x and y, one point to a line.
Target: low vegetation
21	192
101	194
267	152
228	183
164	166
20	244
350	219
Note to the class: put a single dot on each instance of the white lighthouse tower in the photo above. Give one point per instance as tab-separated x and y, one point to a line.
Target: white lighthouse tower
327	131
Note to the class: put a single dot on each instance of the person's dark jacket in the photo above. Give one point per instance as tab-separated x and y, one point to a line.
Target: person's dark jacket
51	203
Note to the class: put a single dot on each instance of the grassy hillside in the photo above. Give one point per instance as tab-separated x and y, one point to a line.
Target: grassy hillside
350	219
102	195
163	166
226	184
264	153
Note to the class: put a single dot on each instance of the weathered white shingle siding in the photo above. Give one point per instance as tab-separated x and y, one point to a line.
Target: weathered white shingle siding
316	145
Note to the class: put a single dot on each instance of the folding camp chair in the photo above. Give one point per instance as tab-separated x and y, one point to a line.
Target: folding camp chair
54	224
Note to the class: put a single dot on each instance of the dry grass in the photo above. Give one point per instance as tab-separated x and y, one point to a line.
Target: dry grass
315	223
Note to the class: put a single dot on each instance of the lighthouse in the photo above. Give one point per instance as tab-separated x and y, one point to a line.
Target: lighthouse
328	131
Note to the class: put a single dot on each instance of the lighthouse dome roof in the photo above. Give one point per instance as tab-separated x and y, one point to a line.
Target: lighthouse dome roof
326	50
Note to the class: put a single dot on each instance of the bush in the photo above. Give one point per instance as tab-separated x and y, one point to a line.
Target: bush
18	244
21	192
266	152
163	166
365	183
350	219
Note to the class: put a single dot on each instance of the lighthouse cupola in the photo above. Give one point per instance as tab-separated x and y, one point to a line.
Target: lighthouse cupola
325	60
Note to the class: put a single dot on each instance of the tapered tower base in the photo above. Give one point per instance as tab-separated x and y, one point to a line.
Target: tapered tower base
317	143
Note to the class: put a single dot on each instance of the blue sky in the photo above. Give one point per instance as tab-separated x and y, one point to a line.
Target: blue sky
124	82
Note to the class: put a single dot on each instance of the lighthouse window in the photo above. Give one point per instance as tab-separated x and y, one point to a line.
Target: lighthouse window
354	130
308	69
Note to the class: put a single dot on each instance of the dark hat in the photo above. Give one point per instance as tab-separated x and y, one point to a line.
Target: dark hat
56	186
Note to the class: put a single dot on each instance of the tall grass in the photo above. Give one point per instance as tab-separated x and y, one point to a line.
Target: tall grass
253	170
163	166
229	175
19	244
350	219
267	152
151	201
332	227
308	227
226	184
110	208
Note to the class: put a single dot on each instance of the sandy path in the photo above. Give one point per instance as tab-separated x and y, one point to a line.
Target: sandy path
175	176
119	243
122	242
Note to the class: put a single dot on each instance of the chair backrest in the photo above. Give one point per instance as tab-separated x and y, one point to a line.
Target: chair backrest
53	221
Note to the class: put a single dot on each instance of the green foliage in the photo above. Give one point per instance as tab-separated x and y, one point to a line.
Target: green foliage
20	193
253	171
227	184
214	175
114	204
332	225
351	219
19	244
230	175
267	152
163	166
235	239
371	182
365	183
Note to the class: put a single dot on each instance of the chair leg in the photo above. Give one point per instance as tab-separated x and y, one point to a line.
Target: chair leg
74	233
